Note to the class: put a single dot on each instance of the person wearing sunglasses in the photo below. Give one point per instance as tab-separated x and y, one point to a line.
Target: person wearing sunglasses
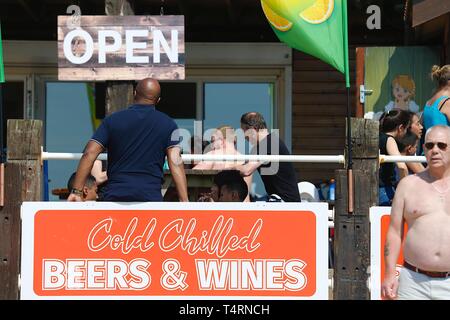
422	201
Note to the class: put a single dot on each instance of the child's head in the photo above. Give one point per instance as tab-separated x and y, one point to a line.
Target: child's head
403	87
221	135
395	121
407	145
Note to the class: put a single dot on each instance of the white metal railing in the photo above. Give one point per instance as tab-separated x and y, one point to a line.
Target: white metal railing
67	156
247	157
227	157
385	158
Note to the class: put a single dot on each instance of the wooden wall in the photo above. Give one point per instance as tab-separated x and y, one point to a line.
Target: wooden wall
319	106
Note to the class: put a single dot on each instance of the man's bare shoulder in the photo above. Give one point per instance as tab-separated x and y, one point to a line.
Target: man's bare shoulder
412	180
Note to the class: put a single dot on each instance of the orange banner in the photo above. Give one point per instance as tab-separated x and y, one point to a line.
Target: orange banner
175	252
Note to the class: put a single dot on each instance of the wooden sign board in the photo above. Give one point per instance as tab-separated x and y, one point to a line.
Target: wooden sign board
100	48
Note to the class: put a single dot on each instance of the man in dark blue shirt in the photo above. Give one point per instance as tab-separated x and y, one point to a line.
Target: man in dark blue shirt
137	140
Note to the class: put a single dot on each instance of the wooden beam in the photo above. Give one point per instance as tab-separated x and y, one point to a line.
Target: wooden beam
23	180
446	41
119	8
119	94
352	231
426	10
359	80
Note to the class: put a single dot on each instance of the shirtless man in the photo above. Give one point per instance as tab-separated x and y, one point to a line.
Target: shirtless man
423	201
223	141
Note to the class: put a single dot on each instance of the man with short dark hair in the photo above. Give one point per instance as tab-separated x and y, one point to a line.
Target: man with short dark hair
234	191
137	140
234	187
279	178
89	188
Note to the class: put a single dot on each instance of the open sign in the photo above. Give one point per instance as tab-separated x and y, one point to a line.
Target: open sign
121	48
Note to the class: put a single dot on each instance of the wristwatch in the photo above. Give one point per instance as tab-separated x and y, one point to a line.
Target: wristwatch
78	192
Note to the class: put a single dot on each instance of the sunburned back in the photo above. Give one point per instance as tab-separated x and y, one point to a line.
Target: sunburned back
221	165
427	213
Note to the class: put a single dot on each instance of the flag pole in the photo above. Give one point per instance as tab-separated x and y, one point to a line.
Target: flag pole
349	113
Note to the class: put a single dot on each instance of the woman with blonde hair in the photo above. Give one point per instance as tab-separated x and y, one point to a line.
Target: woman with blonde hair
223	141
437	109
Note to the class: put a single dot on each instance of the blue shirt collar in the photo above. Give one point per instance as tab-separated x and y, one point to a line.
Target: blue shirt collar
139	106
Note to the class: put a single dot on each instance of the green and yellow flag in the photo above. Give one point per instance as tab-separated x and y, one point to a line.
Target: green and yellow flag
317	27
2	71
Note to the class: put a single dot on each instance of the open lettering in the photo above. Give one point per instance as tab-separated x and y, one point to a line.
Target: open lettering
110	41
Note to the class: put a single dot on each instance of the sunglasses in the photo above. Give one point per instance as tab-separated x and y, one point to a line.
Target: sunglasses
430	145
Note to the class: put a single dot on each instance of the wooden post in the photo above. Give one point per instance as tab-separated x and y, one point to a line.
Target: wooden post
119	94
23	181
352	231
360	57
446	41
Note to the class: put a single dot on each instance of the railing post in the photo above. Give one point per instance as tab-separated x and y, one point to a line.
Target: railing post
23	181
352	231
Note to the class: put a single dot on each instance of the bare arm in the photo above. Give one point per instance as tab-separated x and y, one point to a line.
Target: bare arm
248	181
415	167
248	168
98	173
392	150
394	242
91	152
204	165
177	170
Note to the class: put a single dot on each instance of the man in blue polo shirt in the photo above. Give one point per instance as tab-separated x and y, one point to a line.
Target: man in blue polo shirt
137	140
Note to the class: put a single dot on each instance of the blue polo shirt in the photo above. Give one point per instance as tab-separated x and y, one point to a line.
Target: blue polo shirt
136	140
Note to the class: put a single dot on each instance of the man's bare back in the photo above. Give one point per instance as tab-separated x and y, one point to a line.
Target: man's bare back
427	213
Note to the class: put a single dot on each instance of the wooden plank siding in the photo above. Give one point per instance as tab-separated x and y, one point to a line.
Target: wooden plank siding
319	108
426	10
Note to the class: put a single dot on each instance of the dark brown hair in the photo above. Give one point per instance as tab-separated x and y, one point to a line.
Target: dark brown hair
254	120
394	118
